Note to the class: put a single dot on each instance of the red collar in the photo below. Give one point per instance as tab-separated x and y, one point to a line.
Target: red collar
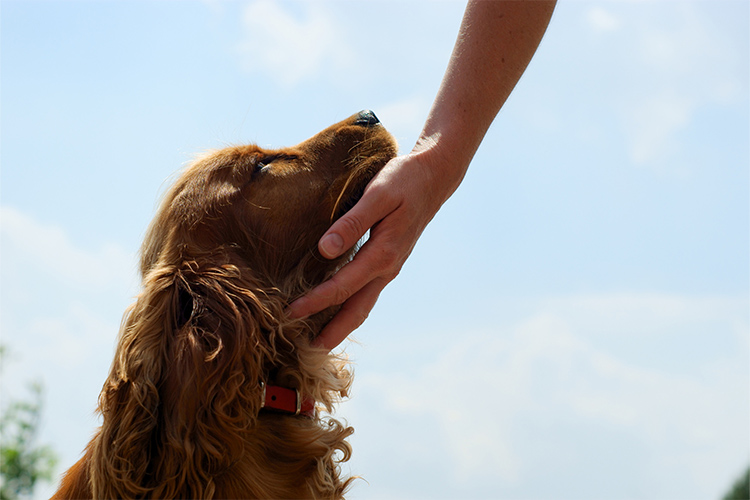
288	401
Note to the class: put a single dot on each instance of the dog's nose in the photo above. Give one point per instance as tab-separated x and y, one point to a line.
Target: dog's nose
367	118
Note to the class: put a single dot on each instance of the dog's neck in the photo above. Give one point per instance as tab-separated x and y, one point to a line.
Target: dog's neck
288	401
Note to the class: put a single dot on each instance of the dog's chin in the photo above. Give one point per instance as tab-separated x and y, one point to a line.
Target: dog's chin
363	178
351	200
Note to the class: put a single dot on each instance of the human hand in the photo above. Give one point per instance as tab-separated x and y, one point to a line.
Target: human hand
396	207
399	202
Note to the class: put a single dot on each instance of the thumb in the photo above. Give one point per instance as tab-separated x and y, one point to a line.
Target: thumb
352	226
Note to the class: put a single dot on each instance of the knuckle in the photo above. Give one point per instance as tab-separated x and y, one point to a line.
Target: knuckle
357	315
383	192
341	295
394	268
328	294
378	189
391	275
361	318
386	195
388	259
352	226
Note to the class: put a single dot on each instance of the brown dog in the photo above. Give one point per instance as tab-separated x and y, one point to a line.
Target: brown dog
211	392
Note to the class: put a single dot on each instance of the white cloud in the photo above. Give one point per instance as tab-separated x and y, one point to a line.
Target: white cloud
688	63
507	403
650	315
290	48
61	303
60	312
602	20
28	244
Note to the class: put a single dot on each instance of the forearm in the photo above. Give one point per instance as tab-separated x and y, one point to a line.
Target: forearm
496	41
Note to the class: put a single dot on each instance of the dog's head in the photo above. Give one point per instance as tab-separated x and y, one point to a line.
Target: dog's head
234	241
269	208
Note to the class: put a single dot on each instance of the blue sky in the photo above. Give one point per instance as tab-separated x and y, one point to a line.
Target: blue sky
573	323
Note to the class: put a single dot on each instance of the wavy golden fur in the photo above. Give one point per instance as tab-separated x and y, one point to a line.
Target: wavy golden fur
233	243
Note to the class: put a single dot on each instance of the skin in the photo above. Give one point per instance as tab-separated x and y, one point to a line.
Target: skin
496	41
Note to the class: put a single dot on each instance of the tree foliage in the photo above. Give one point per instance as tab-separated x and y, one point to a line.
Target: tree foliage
22	462
741	488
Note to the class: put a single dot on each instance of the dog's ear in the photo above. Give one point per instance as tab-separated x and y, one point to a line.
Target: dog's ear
130	399
185	385
227	330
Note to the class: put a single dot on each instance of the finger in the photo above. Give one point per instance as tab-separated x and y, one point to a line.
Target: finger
345	283
367	265
352	226
352	314
319	298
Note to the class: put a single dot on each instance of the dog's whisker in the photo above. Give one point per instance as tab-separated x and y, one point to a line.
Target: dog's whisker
340	196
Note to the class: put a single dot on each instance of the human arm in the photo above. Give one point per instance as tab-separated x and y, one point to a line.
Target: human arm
496	41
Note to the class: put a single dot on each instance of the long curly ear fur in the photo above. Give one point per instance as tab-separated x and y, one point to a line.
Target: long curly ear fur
130	399
181	402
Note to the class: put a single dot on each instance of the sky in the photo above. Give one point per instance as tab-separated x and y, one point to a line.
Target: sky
573	324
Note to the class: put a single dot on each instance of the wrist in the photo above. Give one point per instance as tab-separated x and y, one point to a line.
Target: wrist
446	167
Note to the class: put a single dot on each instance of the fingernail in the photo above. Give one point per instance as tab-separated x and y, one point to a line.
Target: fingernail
331	245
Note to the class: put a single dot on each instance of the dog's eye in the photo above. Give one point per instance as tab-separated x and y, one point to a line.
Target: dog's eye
263	165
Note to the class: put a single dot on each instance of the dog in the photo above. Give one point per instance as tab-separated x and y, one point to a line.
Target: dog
214	392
